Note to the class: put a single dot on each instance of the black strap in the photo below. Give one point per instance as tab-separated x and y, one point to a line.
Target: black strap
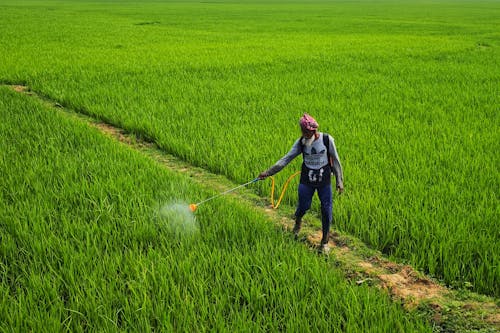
326	142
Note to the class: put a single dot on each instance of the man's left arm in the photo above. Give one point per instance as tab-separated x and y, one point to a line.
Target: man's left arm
337	166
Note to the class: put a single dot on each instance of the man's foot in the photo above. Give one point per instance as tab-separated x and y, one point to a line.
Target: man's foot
296	227
324	248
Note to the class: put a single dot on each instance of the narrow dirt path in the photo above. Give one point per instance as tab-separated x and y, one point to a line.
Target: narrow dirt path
450	310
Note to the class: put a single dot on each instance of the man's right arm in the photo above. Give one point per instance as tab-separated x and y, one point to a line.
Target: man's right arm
295	151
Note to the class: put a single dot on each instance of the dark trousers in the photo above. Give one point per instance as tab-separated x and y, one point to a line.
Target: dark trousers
306	193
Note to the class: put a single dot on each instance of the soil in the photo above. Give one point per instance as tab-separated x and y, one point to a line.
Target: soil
20	88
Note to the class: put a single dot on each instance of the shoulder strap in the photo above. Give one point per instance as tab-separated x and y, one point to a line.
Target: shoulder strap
326	142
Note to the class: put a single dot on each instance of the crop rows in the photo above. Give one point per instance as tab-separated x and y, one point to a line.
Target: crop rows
410	94
87	243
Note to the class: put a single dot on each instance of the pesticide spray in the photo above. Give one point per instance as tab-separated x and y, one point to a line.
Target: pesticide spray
177	219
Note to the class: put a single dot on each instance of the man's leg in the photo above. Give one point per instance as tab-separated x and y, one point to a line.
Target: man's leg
305	198
325	196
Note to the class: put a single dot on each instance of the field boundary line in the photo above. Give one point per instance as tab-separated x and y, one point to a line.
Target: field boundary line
451	310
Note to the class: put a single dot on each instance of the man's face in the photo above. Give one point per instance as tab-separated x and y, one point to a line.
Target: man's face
307	134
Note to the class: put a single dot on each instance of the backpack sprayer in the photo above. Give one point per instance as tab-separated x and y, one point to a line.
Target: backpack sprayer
306	123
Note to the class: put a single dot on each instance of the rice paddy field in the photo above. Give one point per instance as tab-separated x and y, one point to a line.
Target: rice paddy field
96	237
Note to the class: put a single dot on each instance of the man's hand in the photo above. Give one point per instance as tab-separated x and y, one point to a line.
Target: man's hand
340	189
263	175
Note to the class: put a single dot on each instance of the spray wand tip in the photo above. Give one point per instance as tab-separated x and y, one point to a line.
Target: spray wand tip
193	207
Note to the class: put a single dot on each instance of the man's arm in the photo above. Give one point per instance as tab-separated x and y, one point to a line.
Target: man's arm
295	151
336	167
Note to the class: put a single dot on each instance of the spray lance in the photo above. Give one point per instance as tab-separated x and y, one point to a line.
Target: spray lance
194	206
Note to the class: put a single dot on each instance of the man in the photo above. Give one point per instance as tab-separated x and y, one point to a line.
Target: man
320	159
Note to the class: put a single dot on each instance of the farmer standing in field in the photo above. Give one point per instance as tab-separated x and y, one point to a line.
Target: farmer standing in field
320	159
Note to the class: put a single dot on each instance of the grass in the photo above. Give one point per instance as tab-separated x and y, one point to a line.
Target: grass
84	246
408	91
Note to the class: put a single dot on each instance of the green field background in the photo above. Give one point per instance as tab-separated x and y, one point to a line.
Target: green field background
408	89
85	247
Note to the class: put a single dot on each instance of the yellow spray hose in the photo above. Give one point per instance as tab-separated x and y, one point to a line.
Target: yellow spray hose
282	191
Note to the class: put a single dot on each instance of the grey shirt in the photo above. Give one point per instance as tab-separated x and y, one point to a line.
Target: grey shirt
313	159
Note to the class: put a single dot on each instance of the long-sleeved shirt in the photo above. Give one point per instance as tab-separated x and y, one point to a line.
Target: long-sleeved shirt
315	160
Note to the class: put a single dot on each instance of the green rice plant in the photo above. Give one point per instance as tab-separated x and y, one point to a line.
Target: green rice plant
408	90
87	245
